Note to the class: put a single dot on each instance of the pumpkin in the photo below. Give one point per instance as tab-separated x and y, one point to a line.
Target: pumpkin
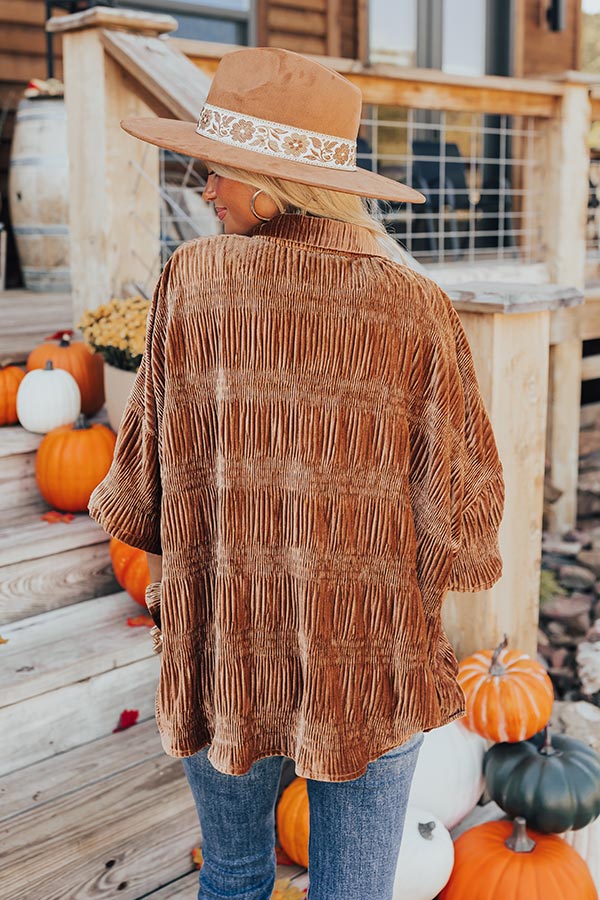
448	778
77	358
426	857
130	566
586	842
509	696
504	861
10	379
555	786
47	398
71	460
293	821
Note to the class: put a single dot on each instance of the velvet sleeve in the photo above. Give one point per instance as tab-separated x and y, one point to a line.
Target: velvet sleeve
127	502
456	477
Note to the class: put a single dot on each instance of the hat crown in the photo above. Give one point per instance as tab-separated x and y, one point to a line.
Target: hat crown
253	81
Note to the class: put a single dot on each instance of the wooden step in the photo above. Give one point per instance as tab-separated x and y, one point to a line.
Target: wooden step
68	674
47	565
112	818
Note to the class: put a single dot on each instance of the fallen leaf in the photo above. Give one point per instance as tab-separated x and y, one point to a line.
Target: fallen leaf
55	516
4	640
197	857
136	621
283	890
127	718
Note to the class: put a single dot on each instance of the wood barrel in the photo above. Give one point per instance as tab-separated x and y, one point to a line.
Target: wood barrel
38	190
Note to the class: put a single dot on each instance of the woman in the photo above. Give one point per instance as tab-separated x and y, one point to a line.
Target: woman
306	450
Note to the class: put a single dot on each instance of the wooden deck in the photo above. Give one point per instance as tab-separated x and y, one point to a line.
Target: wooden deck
27	317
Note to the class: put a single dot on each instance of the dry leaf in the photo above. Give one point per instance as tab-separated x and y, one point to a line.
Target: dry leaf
4	640
197	857
137	621
127	718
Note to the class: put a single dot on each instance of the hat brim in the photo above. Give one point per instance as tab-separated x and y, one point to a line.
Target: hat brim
182	137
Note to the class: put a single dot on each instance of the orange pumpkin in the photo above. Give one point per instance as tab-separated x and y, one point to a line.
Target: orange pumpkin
10	379
509	695
77	358
293	821
502	860
131	569
71	460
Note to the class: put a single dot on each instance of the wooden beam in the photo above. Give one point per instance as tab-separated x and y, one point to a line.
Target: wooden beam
334	28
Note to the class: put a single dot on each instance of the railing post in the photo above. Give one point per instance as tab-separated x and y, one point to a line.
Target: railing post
114	213
508	328
565	198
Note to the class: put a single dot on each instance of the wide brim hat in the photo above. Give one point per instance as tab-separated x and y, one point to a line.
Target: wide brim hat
277	113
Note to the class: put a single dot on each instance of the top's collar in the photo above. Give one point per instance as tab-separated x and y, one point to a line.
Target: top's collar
315	231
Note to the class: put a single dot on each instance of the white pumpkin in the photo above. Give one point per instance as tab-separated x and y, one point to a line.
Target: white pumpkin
448	777
586	841
426	857
47	398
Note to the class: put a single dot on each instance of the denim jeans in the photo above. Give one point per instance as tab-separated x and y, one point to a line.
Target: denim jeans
355	828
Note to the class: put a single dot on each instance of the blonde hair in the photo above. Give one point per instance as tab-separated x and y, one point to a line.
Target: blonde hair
291	196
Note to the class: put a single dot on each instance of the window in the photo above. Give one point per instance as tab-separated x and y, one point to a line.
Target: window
219	21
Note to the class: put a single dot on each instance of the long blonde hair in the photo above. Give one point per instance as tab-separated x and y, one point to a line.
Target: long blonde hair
290	196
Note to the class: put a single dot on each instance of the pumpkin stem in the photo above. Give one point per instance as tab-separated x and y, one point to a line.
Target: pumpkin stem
49	365
547	749
426	830
519	840
81	422
497	668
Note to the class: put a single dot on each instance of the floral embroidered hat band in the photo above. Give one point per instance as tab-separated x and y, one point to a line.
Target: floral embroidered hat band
277	113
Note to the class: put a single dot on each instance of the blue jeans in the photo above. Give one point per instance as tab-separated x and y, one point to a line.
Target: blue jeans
355	828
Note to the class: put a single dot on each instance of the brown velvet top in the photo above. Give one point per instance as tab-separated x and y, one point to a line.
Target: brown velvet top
306	445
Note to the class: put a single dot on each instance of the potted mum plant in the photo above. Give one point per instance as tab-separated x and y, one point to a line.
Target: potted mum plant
117	330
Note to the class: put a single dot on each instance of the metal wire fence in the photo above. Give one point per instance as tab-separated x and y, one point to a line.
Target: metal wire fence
477	171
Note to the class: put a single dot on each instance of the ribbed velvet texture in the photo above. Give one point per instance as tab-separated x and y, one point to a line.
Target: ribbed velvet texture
306	445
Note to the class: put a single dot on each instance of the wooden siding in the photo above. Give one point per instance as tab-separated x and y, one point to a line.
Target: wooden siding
539	51
334	28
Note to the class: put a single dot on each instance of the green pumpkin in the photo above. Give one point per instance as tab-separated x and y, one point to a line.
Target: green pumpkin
554	784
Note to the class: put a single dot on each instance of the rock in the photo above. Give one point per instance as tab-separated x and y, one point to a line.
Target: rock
589	482
551	543
567	609
591	560
588	666
578	535
589	442
580	720
576	577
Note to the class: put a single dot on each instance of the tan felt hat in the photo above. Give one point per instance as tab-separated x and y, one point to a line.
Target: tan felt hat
277	113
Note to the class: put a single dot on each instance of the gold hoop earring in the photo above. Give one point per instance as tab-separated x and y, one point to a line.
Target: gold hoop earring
252	207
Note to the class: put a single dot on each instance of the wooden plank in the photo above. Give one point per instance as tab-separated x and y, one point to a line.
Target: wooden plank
320	5
25	13
334	28
16	38
590	367
56	721
139	22
53	650
27	317
590	316
298	43
39	784
23	67
37	539
299	22
122	837
165	72
56	581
